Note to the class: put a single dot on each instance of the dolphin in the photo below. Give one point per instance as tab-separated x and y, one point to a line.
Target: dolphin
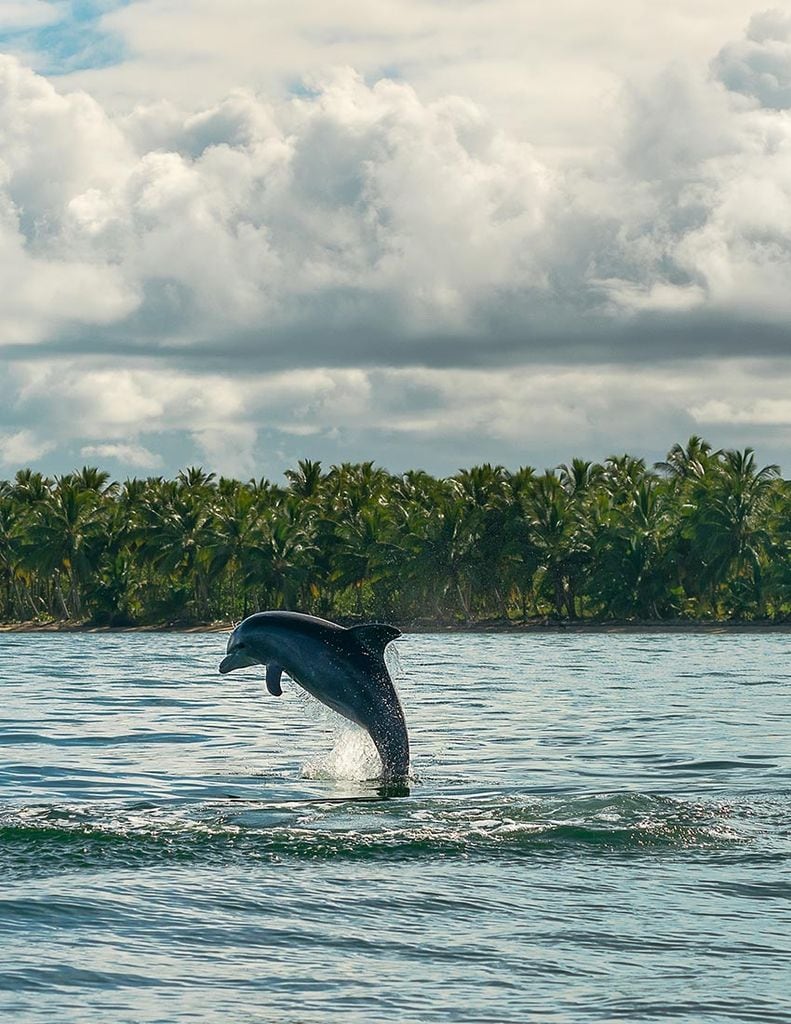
343	668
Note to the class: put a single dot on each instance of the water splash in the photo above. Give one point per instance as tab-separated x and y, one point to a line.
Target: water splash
353	758
393	664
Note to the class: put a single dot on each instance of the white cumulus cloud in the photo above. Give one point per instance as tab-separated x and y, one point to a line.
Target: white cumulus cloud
244	266
136	455
21	447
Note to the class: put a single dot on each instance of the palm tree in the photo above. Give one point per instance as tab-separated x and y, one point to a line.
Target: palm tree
234	543
12	524
64	540
365	555
441	558
494	524
196	478
777	574
30	488
621	475
727	523
631	566
579	476
305	481
89	478
690	462
283	565
554	527
172	532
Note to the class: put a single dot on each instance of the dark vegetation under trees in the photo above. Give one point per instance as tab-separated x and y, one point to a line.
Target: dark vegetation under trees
704	535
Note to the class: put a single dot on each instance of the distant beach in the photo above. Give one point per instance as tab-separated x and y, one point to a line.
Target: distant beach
423	627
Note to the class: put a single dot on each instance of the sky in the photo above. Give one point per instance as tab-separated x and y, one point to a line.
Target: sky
241	233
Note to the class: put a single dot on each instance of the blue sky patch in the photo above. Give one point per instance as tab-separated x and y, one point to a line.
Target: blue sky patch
75	42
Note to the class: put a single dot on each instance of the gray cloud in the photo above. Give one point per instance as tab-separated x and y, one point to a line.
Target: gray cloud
759	66
437	417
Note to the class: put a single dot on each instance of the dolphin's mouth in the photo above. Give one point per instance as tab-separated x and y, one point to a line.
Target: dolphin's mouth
237	659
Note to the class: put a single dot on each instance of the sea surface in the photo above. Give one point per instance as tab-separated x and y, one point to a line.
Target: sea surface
598	829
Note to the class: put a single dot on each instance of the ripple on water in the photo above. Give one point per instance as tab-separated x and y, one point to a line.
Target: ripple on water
45	837
597	829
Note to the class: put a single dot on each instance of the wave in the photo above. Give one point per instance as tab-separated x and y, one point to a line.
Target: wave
46	838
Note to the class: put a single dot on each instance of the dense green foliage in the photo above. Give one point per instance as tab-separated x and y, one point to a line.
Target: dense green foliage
704	534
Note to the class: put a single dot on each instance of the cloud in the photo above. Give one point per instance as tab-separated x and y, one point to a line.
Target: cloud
131	454
21	447
362	224
52	145
548	67
438	418
229	448
397	255
759	66
758	411
30	14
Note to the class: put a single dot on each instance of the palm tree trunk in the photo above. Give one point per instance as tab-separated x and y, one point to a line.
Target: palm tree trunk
61	599
74	595
464	605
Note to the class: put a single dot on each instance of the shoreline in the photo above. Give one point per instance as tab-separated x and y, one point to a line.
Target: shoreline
484	627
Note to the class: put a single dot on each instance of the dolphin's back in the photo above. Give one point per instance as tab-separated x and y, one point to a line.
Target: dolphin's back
297	620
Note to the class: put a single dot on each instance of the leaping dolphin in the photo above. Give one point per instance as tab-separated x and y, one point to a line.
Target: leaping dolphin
343	668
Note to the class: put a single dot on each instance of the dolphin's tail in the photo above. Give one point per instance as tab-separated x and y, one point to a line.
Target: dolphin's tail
388	727
394	751
391	739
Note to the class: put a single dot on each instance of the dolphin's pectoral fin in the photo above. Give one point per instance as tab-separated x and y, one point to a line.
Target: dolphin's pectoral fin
374	636
273	674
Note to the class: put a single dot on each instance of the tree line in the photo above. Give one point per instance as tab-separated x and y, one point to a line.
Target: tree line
703	535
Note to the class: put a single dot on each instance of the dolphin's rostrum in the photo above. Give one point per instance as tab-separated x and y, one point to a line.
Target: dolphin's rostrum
343	668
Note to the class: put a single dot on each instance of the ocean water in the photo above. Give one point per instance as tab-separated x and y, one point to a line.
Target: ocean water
598	829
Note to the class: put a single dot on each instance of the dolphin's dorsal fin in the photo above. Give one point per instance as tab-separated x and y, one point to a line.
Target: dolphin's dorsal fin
273	674
374	636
